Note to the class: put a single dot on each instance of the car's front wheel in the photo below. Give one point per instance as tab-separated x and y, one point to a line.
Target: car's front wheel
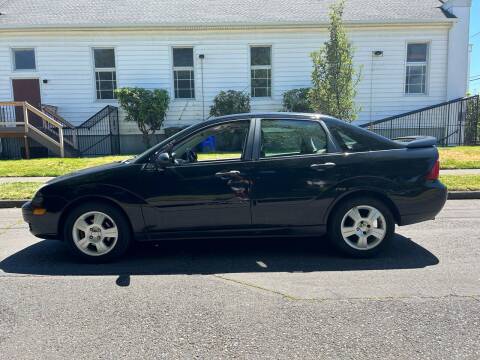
361	227
97	232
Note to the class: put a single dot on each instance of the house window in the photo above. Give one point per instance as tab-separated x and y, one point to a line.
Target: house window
261	71
105	73
183	73
416	72
24	59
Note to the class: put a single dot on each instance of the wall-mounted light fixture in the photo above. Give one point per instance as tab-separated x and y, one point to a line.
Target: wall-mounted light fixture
45	81
377	53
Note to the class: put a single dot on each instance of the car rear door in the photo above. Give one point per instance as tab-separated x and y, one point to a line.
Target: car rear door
295	174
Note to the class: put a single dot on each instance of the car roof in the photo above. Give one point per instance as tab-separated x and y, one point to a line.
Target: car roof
329	120
268	115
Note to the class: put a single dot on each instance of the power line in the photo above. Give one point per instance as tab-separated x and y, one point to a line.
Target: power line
475	34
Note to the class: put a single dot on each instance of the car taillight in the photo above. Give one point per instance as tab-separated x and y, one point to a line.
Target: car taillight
434	171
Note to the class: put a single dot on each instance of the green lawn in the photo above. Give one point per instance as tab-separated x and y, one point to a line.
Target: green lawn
461	182
52	166
18	190
461	157
465	157
59	166
25	190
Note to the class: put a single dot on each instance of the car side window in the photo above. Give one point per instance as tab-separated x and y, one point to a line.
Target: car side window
224	141
352	139
291	138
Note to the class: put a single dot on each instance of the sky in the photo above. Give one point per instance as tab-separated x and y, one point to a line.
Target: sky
475	41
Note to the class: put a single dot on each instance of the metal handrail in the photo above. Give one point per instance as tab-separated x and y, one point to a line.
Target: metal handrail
97	117
364	125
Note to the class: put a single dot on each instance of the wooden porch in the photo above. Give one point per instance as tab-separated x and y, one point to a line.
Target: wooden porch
19	119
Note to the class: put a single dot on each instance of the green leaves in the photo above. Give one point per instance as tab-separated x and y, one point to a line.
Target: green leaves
296	100
230	102
148	108
334	77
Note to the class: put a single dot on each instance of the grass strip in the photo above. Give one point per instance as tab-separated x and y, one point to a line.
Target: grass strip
460	157
18	190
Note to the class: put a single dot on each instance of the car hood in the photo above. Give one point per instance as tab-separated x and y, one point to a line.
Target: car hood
93	172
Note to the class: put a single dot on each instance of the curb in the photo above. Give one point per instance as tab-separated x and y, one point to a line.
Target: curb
6	204
452	195
463	195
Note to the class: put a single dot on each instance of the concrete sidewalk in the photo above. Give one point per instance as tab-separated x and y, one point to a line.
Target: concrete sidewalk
460	172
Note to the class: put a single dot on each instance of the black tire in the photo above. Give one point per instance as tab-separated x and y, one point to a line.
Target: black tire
335	224
123	240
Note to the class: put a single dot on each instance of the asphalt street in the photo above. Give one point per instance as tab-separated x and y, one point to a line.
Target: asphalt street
247	299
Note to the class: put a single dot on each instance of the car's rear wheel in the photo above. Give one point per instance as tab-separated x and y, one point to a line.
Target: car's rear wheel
97	232
361	227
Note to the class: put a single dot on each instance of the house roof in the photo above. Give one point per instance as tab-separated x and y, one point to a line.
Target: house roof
210	13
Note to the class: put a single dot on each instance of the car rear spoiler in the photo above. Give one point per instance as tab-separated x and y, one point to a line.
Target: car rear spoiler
413	142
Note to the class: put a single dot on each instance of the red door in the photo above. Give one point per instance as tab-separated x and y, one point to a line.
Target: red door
27	90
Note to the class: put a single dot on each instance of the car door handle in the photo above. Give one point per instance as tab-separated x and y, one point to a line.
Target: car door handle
227	174
320	167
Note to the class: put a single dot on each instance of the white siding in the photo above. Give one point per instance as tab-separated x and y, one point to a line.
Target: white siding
144	59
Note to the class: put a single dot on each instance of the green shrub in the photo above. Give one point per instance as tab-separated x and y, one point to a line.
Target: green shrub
230	102
148	108
472	121
296	100
334	77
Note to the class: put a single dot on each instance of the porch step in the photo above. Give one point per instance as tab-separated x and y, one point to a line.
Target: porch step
45	140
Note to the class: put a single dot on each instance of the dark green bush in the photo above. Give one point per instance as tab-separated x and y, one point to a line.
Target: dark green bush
147	108
296	100
230	102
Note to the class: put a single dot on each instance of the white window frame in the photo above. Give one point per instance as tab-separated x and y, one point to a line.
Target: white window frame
184	68
425	64
14	65
108	70
261	67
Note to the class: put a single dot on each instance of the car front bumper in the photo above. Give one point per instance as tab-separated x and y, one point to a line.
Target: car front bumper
43	226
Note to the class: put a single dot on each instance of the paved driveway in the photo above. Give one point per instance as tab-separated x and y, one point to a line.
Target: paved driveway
246	299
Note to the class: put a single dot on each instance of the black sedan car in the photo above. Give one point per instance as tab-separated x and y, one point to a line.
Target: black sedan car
244	175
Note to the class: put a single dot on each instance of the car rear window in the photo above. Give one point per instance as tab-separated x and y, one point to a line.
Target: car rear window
354	139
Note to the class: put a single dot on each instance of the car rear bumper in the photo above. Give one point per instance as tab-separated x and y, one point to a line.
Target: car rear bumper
42	226
424	206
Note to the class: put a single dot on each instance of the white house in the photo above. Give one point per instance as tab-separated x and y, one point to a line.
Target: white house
411	53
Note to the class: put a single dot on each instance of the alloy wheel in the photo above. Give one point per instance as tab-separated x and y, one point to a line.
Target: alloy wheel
363	227
95	233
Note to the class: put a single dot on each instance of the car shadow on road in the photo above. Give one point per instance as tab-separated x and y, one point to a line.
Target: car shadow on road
216	257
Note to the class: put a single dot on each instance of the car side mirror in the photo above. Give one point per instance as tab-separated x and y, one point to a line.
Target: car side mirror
164	159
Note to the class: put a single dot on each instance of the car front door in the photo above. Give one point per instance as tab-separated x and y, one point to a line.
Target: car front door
295	174
208	187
